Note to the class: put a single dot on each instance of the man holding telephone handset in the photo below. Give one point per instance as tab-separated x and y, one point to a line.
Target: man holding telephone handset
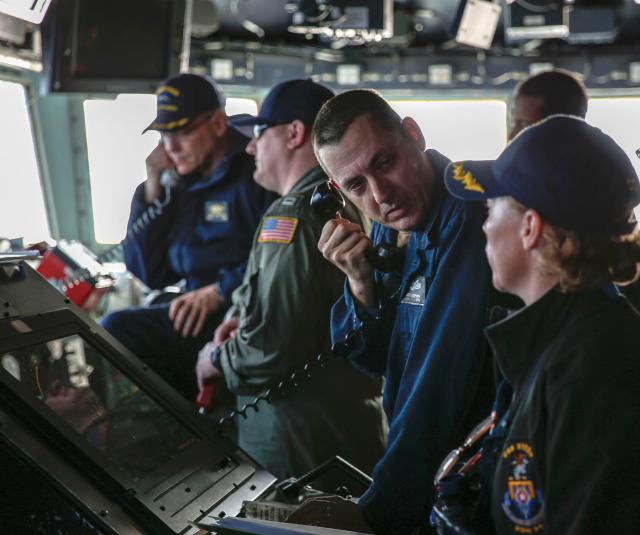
421	326
203	179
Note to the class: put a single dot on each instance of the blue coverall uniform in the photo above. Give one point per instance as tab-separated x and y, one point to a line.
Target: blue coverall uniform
204	236
426	339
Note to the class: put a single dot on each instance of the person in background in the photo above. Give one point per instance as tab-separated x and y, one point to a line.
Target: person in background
560	231
549	93
544	94
209	209
279	319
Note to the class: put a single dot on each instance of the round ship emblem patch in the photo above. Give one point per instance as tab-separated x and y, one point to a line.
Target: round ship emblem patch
522	501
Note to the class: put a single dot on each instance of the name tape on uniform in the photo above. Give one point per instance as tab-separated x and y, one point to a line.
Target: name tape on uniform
217	211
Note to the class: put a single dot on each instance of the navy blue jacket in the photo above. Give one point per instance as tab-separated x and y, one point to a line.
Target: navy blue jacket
426	339
205	233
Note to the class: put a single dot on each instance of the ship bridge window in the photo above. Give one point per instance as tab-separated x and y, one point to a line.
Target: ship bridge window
619	117
459	129
117	152
23	211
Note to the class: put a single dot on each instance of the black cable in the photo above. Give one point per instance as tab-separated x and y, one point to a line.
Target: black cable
152	212
292	380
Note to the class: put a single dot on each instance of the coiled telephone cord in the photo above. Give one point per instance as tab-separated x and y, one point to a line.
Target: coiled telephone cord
292	381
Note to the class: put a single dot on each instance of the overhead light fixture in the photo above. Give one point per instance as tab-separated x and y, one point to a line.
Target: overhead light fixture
537	68
221	69
440	74
348	74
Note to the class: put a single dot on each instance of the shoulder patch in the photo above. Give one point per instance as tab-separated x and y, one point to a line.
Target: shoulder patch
522	500
278	229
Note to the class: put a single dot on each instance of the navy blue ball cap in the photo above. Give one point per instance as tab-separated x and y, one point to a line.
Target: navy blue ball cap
571	173
182	98
299	99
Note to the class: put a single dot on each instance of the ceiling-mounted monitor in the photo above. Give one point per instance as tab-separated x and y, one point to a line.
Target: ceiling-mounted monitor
119	46
576	21
534	19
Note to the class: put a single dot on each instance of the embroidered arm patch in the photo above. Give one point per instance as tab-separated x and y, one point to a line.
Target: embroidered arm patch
278	229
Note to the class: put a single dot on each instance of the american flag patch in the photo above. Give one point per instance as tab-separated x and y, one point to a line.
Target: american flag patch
278	229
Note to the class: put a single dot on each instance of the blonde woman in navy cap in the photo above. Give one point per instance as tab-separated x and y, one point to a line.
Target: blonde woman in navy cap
562	452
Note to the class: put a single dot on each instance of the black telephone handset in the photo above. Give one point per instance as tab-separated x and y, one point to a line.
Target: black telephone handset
385	257
169	178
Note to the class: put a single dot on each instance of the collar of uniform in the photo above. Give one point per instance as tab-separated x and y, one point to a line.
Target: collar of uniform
428	232
310	179
237	144
520	339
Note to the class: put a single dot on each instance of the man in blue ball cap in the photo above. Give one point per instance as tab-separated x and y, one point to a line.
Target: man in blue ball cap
192	219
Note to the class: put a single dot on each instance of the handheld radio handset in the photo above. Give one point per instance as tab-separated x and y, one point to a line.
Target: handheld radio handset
385	257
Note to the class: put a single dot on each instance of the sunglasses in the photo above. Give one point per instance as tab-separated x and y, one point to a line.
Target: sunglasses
452	460
260	129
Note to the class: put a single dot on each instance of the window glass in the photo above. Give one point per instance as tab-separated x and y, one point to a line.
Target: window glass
241	105
117	152
23	211
460	129
619	117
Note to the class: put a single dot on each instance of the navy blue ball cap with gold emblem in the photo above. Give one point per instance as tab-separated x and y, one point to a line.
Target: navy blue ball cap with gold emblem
182	98
299	99
574	175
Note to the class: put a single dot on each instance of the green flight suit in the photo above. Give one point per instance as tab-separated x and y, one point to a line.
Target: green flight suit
284	304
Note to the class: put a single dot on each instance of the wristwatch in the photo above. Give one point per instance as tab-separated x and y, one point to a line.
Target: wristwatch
215	358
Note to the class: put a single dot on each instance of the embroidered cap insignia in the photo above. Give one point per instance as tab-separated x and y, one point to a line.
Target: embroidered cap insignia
468	181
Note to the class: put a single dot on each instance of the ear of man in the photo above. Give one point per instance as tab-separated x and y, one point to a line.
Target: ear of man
412	129
297	134
218	123
531	229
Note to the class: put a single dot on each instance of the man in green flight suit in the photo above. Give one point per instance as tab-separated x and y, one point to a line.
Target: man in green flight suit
279	319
